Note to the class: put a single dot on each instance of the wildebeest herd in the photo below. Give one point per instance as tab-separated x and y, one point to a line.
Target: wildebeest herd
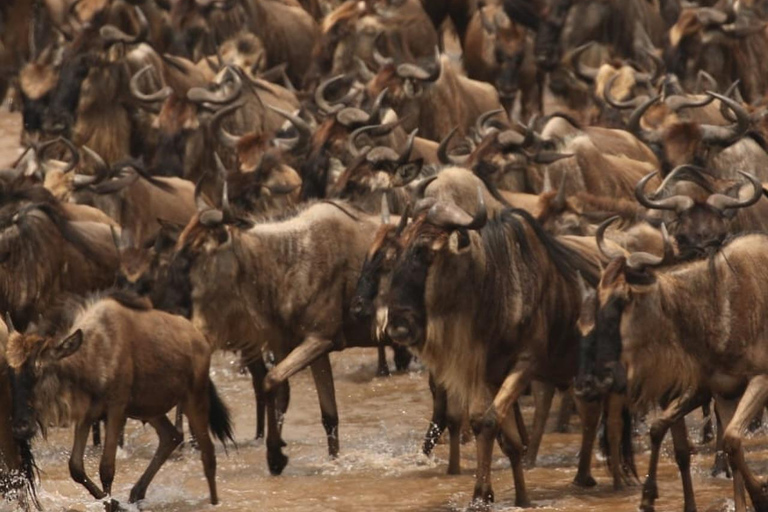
524	194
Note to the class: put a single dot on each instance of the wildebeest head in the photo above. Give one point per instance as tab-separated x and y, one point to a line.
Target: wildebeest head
442	231
348	33
509	44
681	143
700	218
547	46
31	357
378	263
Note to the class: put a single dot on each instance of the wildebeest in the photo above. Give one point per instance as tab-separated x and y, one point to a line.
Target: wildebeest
17	464
445	249
114	356
718	348
73	256
297	304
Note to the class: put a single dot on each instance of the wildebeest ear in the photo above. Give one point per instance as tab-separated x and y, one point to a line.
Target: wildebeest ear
67	346
458	242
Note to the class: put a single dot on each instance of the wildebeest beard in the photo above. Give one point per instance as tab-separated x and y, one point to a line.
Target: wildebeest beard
608	372
367	286
24	421
585	385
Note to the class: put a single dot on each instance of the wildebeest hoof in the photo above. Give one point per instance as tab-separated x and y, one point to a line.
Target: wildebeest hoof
529	462
481	504
584	481
276	461
721	467
113	506
383	372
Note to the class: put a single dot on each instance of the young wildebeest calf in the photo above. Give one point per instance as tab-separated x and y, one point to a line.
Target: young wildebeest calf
118	358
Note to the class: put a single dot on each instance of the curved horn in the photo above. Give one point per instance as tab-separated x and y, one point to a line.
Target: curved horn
674	175
101	165
726	134
375	117
363	70
606	251
111	34
588	74
200	203
731	92
677	102
701	77
546	186
481	126
9	323
302	128
450	216
71	149
403	220
226	139
559	201
203	95
510	139
405	155
446	158
612	101
377	56
674	203
548	157
421	189
385	217
723	202
322	103
633	124
641	260
154	97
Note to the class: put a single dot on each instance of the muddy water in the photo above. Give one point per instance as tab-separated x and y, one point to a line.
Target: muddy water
380	467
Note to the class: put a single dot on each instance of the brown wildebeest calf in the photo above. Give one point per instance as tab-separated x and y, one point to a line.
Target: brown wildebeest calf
117	357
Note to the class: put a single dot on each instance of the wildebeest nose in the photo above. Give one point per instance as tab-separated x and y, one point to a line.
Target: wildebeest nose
23	430
357	307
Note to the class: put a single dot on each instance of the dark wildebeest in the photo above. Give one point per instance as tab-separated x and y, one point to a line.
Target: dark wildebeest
719	348
285	306
71	372
70	256
523	301
17	465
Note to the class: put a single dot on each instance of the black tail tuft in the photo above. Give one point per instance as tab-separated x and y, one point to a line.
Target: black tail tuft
219	418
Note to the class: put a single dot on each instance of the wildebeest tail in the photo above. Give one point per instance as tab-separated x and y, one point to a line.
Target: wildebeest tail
219	418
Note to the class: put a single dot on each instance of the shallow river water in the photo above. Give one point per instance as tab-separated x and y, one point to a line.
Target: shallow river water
380	466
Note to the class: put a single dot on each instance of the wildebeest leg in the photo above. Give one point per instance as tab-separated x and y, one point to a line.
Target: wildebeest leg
114	425
455	417
97	433
276	460
197	410
673	412
683	459
727	409
298	359
326	393
622	469
258	371
751	403
590	418
721	460
76	466
403	357
542	399
382	370
566	411
707	432
513	447
485	436
170	439
439	419
513	386
179	423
